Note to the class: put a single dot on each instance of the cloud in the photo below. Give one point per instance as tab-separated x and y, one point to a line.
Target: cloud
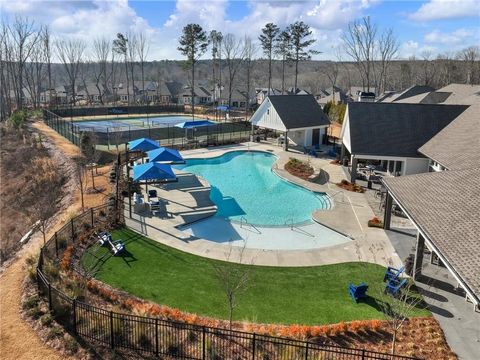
446	9
456	37
89	19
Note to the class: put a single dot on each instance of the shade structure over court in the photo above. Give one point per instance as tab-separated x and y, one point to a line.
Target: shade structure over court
165	155
142	144
195	124
153	171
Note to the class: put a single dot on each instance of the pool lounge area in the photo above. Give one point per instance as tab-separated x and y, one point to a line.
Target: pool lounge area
208	218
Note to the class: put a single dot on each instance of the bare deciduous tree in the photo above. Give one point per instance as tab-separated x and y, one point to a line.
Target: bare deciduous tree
101	54
70	53
359	43
233	51
81	177
470	56
233	278
428	68
143	47
388	49
120	46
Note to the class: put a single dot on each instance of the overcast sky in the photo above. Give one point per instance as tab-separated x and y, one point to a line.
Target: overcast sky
438	26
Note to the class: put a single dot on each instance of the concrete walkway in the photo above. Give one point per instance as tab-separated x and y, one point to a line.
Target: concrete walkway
349	215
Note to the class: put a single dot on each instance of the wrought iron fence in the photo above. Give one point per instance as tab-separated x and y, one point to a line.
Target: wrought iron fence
158	337
120	131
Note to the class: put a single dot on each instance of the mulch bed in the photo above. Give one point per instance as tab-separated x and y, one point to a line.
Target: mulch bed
347	185
299	168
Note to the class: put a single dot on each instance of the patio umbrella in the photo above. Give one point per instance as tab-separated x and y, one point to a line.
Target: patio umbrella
142	144
164	154
153	171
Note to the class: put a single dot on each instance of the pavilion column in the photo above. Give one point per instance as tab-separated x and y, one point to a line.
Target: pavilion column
285	142
419	250
387	216
353	174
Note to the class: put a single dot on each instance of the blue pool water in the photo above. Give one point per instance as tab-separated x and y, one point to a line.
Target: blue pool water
244	185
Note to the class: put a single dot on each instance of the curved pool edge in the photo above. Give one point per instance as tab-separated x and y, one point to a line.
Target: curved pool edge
274	168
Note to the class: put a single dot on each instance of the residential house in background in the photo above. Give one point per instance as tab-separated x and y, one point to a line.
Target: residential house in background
201	96
399	96
262	93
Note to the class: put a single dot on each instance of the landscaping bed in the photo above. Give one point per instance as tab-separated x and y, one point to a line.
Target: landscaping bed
299	168
347	185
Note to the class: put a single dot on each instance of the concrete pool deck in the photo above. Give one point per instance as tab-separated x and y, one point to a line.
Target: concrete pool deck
349	215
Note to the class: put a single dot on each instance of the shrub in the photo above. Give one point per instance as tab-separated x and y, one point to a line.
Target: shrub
71	345
375	222
51	270
54	332
46	319
67	258
17	119
35	312
30	302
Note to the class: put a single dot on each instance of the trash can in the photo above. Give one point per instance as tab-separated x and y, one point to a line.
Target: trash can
409	264
369	184
345	161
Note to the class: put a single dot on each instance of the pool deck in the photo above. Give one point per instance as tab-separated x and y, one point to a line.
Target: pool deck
188	200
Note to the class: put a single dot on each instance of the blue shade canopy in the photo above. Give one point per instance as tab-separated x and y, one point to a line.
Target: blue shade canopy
153	171
142	144
223	107
164	154
195	124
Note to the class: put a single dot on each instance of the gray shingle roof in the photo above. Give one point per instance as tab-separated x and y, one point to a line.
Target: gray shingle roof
457	146
445	206
299	111
462	94
411	91
396	129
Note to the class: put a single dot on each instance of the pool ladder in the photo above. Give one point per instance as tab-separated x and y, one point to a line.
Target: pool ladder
242	219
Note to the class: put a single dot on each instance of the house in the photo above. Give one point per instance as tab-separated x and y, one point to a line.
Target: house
354	91
174	89
392	133
262	93
125	96
93	93
407	93
450	94
297	91
201	96
338	97
239	99
448	150
299	117
443	204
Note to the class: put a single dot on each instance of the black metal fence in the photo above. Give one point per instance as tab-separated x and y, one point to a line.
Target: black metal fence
157	337
117	110
166	134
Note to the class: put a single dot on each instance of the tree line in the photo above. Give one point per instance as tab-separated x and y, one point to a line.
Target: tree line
32	61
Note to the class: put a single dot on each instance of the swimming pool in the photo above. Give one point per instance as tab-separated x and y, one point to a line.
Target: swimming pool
101	125
244	187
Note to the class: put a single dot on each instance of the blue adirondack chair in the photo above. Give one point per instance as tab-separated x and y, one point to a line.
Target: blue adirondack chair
393	273
358	292
394	286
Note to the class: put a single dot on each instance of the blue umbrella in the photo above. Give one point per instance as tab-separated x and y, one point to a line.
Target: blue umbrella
194	124
164	154
153	171
142	144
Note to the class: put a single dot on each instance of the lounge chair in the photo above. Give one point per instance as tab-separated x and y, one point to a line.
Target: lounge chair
152	193
394	286
358	292
117	247
104	238
393	273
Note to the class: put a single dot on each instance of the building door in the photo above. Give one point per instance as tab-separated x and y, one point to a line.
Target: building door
315	137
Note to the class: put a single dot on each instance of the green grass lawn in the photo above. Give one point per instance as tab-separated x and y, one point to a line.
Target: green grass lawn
305	295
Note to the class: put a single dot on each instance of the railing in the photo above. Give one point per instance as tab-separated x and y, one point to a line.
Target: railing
158	337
